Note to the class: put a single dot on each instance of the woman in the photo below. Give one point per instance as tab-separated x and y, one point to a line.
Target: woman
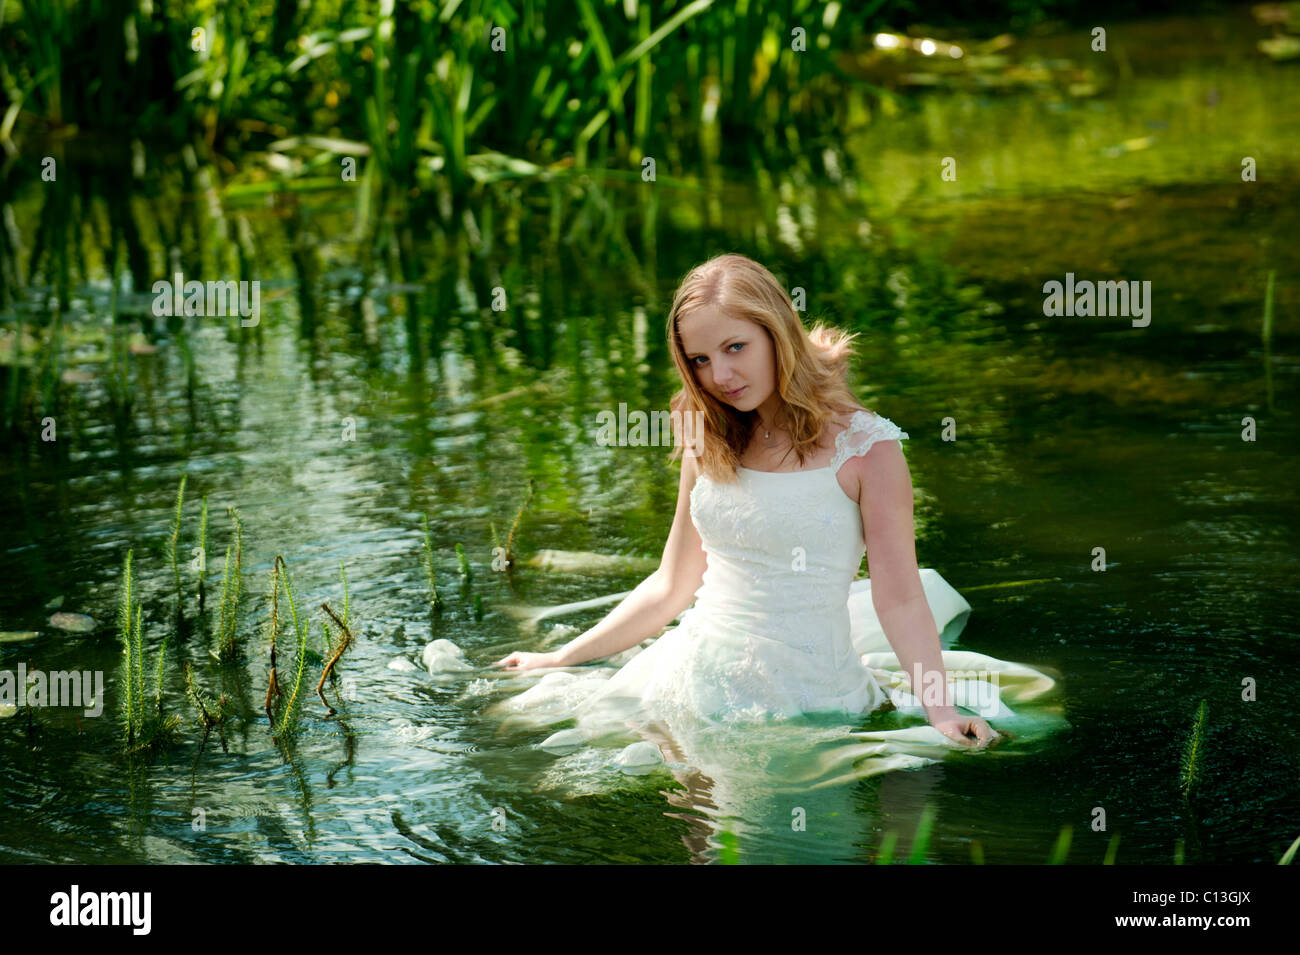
787	485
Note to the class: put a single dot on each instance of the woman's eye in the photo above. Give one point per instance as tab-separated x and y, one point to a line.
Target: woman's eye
699	361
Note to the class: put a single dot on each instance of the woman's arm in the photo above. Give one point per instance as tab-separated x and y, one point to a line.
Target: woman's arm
659	598
885	499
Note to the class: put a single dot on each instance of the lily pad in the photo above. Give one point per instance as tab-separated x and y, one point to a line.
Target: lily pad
7	710
17	636
73	622
55	603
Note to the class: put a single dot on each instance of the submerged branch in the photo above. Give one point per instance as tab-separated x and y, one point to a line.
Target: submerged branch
338	652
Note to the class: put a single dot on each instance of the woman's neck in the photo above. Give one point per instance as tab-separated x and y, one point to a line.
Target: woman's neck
768	415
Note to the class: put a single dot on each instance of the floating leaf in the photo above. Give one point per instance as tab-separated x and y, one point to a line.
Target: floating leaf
73	622
577	561
1281	47
1130	146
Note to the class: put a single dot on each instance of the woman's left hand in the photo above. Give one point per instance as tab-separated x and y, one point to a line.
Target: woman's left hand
960	728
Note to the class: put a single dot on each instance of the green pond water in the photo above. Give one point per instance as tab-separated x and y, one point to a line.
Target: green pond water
1073	433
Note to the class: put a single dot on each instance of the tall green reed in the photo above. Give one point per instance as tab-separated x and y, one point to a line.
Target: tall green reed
201	562
143	727
1061	849
1112	850
273	690
514	527
1290	853
442	92
345	640
292	706
435	600
1190	767
173	547
232	590
126	634
921	841
210	716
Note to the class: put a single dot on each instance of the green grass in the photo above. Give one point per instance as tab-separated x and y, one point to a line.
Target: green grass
1189	774
921	841
200	563
463	562
1289	855
1112	850
434	600
144	727
232	590
328	645
1058	855
1062	847
173	546
210	715
292	706
514	527
127	634
888	843
274	692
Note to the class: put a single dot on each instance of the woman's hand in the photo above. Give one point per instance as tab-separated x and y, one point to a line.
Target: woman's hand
959	729
520	660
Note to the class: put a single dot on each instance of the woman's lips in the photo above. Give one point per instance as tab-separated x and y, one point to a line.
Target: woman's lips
731	395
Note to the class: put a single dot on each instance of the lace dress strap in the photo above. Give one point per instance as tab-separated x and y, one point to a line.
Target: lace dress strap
864	430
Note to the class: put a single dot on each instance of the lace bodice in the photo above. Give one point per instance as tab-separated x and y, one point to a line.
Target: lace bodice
785	542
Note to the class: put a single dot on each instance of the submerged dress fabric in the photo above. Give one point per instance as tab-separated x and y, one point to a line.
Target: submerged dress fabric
782	648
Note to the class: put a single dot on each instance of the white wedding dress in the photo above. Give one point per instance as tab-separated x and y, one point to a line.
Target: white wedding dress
780	644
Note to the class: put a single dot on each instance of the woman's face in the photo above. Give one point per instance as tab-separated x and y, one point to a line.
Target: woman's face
732	358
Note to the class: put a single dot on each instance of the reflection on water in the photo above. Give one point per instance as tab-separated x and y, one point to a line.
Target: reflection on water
1071	435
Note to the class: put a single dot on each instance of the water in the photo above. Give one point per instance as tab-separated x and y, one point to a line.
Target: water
1072	434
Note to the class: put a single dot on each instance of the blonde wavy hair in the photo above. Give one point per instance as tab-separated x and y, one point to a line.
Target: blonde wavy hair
811	365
